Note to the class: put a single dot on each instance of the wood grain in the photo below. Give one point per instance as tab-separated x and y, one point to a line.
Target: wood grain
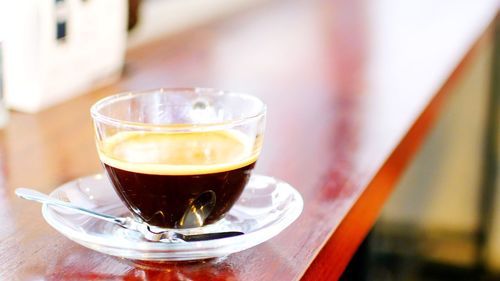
351	88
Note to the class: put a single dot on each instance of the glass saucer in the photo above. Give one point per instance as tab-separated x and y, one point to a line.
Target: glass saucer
266	207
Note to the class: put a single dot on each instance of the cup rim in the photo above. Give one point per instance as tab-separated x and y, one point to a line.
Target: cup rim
99	117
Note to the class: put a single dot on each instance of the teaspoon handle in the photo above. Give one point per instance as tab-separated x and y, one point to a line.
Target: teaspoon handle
210	236
33	195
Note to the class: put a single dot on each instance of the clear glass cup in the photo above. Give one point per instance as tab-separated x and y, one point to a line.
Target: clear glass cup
179	158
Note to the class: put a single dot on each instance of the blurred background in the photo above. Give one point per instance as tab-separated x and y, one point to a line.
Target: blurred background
441	223
44	40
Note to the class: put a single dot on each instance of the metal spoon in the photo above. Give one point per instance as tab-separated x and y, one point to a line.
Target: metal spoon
150	233
199	210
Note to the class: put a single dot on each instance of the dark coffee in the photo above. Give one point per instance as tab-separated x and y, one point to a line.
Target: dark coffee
178	180
162	200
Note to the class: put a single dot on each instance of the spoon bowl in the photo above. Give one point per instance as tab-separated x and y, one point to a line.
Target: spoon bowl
199	210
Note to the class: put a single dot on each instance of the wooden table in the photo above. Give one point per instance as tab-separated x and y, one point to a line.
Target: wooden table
352	88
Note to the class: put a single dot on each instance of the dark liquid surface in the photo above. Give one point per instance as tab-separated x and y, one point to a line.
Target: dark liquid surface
163	200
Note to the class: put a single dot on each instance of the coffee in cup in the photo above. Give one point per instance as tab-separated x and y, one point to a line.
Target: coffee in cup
179	171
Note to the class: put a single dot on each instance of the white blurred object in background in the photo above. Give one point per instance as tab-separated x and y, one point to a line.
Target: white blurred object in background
4	114
56	49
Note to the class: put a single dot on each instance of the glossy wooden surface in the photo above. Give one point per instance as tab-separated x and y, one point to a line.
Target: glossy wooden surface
351	88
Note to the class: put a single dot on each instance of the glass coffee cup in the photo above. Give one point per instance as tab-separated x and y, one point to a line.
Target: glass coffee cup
179	158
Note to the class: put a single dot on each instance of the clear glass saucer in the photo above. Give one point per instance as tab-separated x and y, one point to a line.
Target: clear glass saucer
266	207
